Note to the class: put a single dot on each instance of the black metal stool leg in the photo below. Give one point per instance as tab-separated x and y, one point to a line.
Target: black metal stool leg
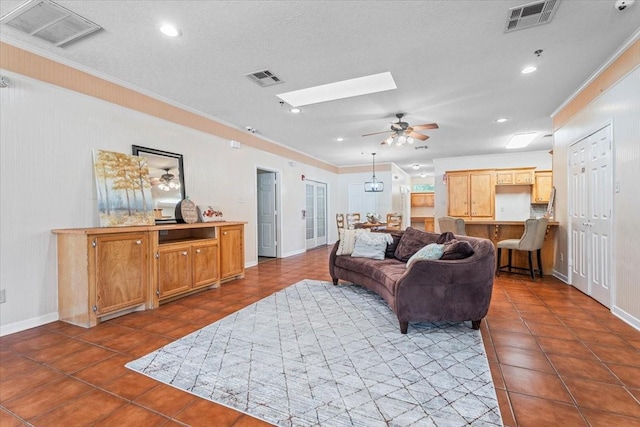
533	275
509	260
540	261
499	261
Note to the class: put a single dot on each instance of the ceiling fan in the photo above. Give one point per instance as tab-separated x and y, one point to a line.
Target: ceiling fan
403	133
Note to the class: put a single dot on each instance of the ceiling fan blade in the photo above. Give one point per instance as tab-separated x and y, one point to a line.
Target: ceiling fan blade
376	133
425	126
419	136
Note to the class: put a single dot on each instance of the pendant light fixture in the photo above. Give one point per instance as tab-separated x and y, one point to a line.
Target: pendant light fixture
374	186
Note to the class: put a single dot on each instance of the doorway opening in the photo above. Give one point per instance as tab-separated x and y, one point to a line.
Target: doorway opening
267	218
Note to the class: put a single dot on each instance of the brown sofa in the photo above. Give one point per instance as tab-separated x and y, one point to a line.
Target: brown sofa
429	290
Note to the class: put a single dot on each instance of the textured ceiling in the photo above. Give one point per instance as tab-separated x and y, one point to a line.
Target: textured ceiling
451	60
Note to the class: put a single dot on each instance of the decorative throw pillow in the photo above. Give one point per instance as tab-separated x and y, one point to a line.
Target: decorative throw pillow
371	245
348	240
391	247
431	251
457	249
445	237
412	241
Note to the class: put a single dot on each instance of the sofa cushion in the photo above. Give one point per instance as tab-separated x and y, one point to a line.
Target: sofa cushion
371	245
386	272
445	237
412	241
431	251
348	240
457	249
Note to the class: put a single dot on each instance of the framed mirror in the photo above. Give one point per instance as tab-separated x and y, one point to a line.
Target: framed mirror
166	174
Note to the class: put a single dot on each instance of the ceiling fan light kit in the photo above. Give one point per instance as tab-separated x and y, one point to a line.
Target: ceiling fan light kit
403	133
374	186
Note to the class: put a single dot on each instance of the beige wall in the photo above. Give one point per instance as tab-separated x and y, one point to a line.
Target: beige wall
612	97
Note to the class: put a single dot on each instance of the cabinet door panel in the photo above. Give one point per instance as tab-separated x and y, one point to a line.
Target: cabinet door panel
458	195
205	264
231	251
120	271
524	177
482	194
174	270
542	187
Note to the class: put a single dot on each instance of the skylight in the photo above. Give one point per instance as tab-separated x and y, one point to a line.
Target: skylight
520	140
340	90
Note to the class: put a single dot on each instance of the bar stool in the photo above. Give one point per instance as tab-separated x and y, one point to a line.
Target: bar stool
452	224
532	240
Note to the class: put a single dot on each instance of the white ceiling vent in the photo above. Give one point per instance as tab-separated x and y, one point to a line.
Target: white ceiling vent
47	20
264	78
530	15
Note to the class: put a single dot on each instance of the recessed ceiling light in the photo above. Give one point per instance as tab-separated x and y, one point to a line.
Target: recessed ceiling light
339	139
529	69
501	120
170	30
520	140
415	167
295	110
340	90
423	175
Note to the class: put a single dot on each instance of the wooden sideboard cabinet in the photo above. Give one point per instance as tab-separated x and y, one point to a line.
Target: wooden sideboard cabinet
100	274
471	194
543	183
111	271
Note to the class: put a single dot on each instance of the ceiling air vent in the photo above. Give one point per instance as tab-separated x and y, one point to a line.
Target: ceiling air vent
530	15
264	78
48	21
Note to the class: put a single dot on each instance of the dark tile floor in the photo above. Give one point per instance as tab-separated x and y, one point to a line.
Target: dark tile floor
558	358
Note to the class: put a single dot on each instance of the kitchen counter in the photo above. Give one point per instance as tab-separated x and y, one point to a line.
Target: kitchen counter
501	230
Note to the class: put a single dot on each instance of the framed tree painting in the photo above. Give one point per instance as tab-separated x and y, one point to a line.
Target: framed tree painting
124	191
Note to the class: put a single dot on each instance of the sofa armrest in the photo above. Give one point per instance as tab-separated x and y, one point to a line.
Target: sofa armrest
332	262
446	289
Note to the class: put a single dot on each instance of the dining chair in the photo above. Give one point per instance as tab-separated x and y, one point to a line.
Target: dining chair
352	219
394	221
340	221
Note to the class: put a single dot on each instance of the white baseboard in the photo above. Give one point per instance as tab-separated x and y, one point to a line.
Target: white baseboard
560	276
250	264
23	325
626	317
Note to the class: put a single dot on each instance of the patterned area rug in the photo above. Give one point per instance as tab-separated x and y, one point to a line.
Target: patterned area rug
315	354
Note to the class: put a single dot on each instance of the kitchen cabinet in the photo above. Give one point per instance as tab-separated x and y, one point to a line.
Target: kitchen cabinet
100	274
231	251
471	194
112	271
429	224
543	183
422	200
520	176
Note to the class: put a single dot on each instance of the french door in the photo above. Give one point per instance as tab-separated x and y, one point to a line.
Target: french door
316	214
591	205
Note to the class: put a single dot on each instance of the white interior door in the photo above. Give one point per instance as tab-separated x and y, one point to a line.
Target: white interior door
591	202
316	214
267	240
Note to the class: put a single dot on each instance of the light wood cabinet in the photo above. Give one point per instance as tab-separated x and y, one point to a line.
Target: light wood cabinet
183	267
471	194
112	271
99	274
231	251
429	224
520	176
422	200
543	183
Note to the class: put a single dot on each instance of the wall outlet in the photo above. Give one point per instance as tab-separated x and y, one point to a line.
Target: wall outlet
3	296
561	257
